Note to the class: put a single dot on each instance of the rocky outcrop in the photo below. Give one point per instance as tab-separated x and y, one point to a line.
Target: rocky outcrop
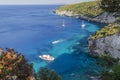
66	13
107	17
110	44
104	17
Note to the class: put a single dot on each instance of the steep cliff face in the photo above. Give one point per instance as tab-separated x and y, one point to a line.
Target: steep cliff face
110	44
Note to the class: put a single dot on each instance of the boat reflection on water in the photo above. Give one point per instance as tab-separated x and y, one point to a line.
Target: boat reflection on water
47	57
63	24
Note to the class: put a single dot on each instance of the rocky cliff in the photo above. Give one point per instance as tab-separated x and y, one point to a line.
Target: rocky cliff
105	40
104	17
109	44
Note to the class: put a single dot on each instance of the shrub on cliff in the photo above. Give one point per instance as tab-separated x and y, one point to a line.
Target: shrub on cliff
13	66
47	74
113	74
107	60
106	75
116	72
110	5
112	66
106	31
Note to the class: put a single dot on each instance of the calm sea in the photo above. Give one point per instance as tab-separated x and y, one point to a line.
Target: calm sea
36	30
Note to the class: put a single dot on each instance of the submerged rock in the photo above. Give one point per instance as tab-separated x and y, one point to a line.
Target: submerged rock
94	78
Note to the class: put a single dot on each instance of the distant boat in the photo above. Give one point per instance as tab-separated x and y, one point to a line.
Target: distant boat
47	57
83	24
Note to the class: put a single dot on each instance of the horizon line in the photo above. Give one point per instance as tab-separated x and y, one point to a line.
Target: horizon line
41	3
33	4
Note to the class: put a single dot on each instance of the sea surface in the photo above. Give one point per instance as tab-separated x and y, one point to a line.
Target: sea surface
34	30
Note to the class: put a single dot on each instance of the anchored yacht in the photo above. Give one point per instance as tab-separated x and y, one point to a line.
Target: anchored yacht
47	57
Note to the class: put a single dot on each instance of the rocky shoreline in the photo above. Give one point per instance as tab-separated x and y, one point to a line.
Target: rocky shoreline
104	17
98	46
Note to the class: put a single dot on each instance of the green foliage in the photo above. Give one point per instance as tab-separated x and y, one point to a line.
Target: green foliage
118	20
15	65
47	74
112	65
106	31
107	60
116	72
110	5
91	9
12	64
22	69
106	75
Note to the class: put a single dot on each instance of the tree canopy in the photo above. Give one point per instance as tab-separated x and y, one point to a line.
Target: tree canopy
47	74
110	5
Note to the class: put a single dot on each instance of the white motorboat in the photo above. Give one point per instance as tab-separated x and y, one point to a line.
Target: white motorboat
47	57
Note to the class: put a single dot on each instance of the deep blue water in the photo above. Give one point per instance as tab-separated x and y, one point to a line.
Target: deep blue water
31	31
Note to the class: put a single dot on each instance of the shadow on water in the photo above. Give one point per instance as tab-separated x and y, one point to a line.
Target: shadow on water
62	63
77	64
73	67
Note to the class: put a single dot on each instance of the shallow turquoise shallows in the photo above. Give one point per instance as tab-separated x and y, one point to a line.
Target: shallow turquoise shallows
36	30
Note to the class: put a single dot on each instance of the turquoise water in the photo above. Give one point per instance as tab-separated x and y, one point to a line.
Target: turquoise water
32	30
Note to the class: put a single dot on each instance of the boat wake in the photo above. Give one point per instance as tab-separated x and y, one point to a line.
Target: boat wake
57	41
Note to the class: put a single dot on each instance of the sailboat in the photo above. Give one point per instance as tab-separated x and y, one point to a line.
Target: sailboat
83	25
63	24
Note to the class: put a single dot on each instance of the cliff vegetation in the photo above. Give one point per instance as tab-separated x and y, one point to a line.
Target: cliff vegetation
14	66
86	8
106	31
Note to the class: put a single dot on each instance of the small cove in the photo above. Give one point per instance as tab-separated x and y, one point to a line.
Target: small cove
31	31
